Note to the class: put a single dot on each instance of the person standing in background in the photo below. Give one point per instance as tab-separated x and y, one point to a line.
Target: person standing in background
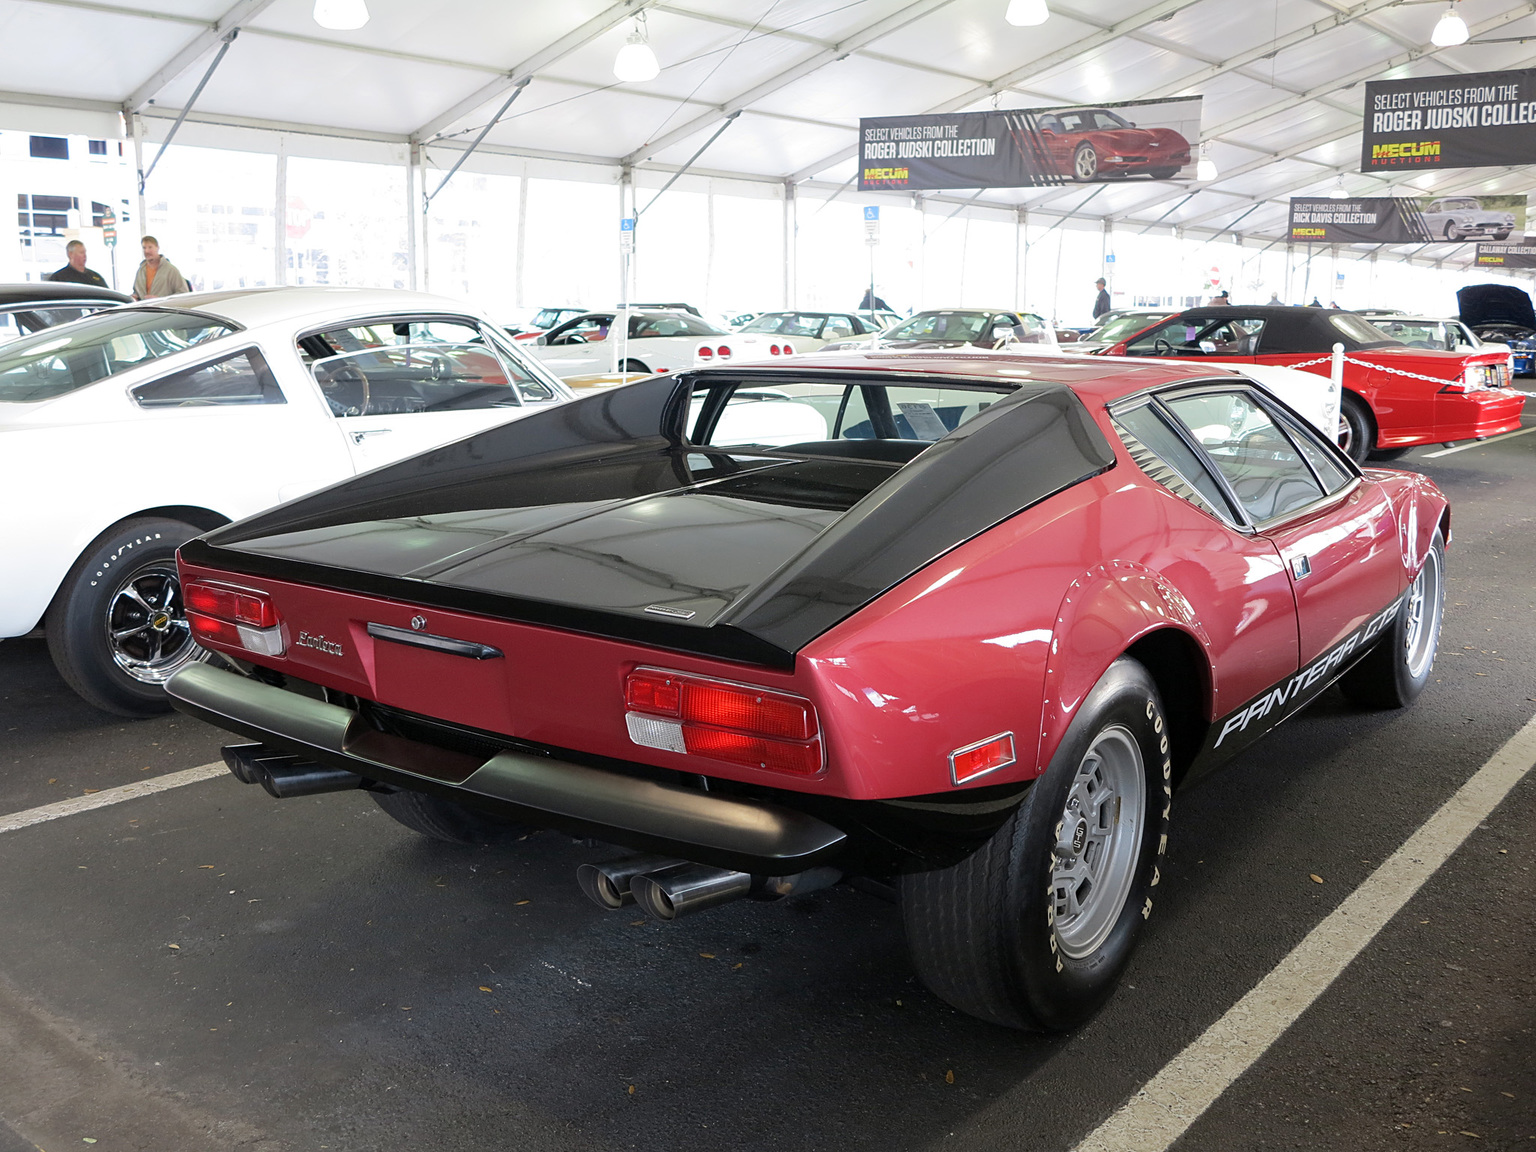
75	272
1101	301
157	276
1274	299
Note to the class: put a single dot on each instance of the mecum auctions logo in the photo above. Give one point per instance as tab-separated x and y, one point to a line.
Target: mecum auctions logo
319	644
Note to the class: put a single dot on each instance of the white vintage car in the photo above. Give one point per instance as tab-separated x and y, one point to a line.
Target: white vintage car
658	341
126	433
1463	217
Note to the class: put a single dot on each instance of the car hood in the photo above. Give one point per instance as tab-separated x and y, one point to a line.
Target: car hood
1495	303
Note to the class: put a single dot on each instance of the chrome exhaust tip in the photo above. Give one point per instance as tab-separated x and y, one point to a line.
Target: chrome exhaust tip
686	888
607	884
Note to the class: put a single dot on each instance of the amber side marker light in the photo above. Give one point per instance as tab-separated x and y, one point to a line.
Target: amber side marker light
737	723
965	764
234	617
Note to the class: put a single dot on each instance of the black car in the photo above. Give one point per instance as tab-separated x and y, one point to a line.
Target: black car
29	308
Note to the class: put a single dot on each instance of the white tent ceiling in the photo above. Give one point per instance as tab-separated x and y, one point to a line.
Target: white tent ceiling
1281	81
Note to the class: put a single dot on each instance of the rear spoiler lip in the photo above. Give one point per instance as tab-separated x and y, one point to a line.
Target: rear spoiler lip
721	641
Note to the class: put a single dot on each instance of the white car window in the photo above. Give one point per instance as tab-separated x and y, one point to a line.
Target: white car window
242	378
406	378
51	363
1266	474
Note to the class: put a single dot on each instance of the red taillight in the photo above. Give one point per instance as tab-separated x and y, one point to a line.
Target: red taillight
236	605
723	721
237	617
754	751
724	351
655	692
765	713
978	759
788	350
773	349
706	352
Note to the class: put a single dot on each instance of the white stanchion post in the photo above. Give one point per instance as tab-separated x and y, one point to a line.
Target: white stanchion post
1335	386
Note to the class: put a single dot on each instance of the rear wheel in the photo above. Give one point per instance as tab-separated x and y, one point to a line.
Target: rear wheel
1357	431
1398	668
634	366
117	630
1033	929
439	819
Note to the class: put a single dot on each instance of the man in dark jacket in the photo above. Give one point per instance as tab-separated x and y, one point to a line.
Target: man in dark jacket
75	272
1101	303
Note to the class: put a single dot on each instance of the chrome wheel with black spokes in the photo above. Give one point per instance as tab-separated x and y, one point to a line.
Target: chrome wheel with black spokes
147	630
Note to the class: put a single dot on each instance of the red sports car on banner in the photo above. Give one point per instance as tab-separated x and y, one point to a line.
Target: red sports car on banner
1096	144
1395	397
958	624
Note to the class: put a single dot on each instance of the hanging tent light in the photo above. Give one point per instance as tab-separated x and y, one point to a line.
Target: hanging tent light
1451	30
1027	13
1205	170
635	62
341	15
1338	191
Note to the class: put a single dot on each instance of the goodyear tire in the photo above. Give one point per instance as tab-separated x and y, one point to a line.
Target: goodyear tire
1033	929
1357	429
441	819
1394	672
116	629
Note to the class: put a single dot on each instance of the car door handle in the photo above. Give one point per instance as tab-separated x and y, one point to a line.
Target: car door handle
361	434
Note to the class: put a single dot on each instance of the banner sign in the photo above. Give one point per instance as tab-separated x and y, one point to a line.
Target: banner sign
1404	220
1030	147
1475	120
1506	255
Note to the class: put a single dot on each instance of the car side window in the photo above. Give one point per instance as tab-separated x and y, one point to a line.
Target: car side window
1325	466
1164	455
1261	466
837	327
242	378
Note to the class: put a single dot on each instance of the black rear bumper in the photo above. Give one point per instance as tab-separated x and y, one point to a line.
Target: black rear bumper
748	835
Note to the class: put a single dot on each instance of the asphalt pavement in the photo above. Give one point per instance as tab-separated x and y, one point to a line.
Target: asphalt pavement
208	968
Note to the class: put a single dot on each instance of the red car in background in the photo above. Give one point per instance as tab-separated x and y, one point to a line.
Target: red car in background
1095	144
955	623
1395	397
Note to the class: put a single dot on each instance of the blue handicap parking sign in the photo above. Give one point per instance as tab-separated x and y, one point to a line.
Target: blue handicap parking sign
871	213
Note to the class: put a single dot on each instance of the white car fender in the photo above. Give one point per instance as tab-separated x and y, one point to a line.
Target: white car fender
1313	396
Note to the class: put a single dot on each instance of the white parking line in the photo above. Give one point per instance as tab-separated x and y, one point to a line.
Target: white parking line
1479	443
1190	1083
108	796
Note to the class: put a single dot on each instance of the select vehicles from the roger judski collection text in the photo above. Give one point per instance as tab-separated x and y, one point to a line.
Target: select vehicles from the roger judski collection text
128	432
1395	396
768	627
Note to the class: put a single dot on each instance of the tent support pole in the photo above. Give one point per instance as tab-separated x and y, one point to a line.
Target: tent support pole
181	118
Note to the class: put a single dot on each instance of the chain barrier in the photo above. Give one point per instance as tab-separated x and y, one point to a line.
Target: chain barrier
1383	368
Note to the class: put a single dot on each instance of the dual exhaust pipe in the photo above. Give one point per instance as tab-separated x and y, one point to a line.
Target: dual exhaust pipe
284	775
665	888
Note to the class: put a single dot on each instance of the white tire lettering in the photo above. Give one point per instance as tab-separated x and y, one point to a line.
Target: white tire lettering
1146	910
1156	876
1157	725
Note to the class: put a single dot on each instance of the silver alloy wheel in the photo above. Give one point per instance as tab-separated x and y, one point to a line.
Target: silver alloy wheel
147	630
1425	605
1086	163
1098	842
1346	437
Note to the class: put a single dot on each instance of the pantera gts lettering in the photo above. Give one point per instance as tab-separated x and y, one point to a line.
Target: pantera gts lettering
1288	696
319	644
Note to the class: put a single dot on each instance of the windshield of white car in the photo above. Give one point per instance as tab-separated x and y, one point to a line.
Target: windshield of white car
807	324
1116	330
60	360
671	324
964	327
1359	329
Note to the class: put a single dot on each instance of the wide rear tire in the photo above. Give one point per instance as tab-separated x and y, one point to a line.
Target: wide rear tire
1033	929
1357	429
